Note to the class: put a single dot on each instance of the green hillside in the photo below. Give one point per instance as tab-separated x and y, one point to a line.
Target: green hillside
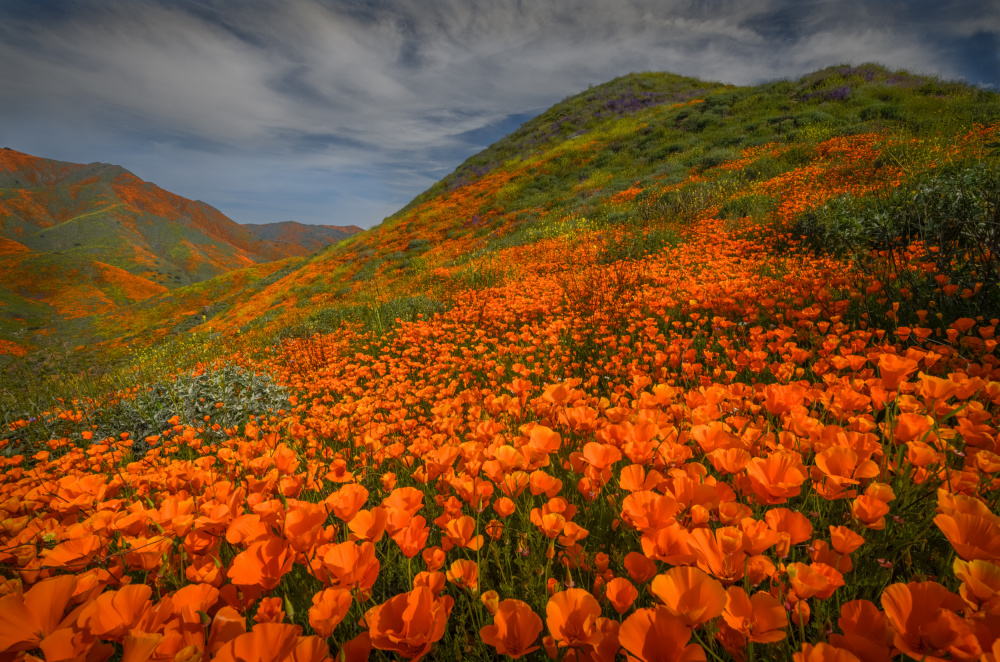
634	160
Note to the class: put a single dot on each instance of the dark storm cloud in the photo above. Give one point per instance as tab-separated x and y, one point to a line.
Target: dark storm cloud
341	111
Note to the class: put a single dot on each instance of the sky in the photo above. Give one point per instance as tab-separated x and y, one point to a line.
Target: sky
341	111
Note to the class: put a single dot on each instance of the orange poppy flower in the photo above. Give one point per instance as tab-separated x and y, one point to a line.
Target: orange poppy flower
203	569
572	533
138	646
461	532
690	594
974	536
980	584
600	456
412	537
304	525
550	524
74	554
777	477
347	501
263	564
729	460
866	631
670	544
571	616
758	536
894	369
368	525
542	483
494	529
649	511
226	626
30	618
621	593
504	507
329	607
795	525
146	554
640	568
409	623
515	629
273	642
721	553
352	565
870	511
836	469
490	600
824	653
782	398
246	530
844	540
433	580
464	573
544	440
434	558
189	600
923	615
269	610
760	617
408	499
114	613
818	580
657	635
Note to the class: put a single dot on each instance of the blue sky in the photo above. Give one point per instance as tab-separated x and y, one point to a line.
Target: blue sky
341	111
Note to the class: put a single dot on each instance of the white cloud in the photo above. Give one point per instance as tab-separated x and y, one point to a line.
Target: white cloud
299	87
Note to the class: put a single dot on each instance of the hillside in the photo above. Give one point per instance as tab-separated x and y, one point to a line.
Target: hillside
677	371
631	161
78	240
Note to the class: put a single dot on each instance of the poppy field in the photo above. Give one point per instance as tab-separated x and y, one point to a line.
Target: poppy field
696	435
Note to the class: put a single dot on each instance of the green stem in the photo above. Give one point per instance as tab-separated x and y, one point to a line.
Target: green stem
711	651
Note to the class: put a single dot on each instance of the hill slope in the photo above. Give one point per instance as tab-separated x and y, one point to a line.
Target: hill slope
633	161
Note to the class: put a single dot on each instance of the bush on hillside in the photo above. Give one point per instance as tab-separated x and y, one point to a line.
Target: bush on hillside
952	211
219	399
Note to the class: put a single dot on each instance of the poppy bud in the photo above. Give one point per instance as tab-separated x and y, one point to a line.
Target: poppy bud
550	647
800	612
490	600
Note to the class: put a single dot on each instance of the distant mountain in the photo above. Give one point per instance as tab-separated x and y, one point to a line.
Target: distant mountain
81	239
313	237
104	212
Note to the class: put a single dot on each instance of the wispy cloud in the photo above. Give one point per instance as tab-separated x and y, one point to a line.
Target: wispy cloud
341	111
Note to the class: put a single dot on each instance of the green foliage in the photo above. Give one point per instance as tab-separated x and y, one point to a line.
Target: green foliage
637	243
374	317
754	206
138	398
954	210
195	398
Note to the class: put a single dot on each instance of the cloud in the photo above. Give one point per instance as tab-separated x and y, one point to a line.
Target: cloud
347	107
